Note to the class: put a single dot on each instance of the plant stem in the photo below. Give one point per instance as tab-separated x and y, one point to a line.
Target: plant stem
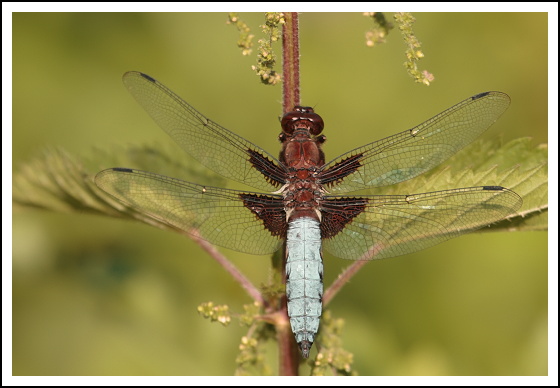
290	61
288	352
287	347
229	267
342	279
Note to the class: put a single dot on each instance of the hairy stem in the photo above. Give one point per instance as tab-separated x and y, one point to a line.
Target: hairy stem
229	267
290	61
341	280
287	347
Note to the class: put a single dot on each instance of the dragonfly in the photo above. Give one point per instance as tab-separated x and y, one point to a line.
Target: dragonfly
302	200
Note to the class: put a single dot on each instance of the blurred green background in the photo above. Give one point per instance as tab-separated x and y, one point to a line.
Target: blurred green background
99	296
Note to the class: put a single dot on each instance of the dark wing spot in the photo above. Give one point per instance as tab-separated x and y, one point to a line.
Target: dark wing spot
271	172
493	188
269	210
480	95
122	169
338	212
340	170
148	77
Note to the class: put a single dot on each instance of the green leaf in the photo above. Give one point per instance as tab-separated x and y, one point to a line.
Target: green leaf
58	181
517	165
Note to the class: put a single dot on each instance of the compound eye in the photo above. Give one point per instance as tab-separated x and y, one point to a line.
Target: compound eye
318	124
288	122
302	117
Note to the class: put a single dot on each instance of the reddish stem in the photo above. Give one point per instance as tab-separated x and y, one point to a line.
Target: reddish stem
287	348
229	267
341	280
290	61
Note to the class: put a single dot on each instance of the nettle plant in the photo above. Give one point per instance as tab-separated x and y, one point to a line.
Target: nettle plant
484	185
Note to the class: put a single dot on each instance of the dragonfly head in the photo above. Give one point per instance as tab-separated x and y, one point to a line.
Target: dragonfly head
302	117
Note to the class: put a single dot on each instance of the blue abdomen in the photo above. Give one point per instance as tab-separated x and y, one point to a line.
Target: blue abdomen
304	280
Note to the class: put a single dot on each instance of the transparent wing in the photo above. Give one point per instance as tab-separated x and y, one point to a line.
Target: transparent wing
219	216
392	225
410	153
212	145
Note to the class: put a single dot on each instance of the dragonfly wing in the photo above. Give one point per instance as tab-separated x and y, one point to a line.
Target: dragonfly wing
220	216
410	153
212	145
382	226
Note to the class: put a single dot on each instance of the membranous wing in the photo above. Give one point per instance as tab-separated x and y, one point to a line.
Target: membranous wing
410	153
383	226
232	219
212	145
